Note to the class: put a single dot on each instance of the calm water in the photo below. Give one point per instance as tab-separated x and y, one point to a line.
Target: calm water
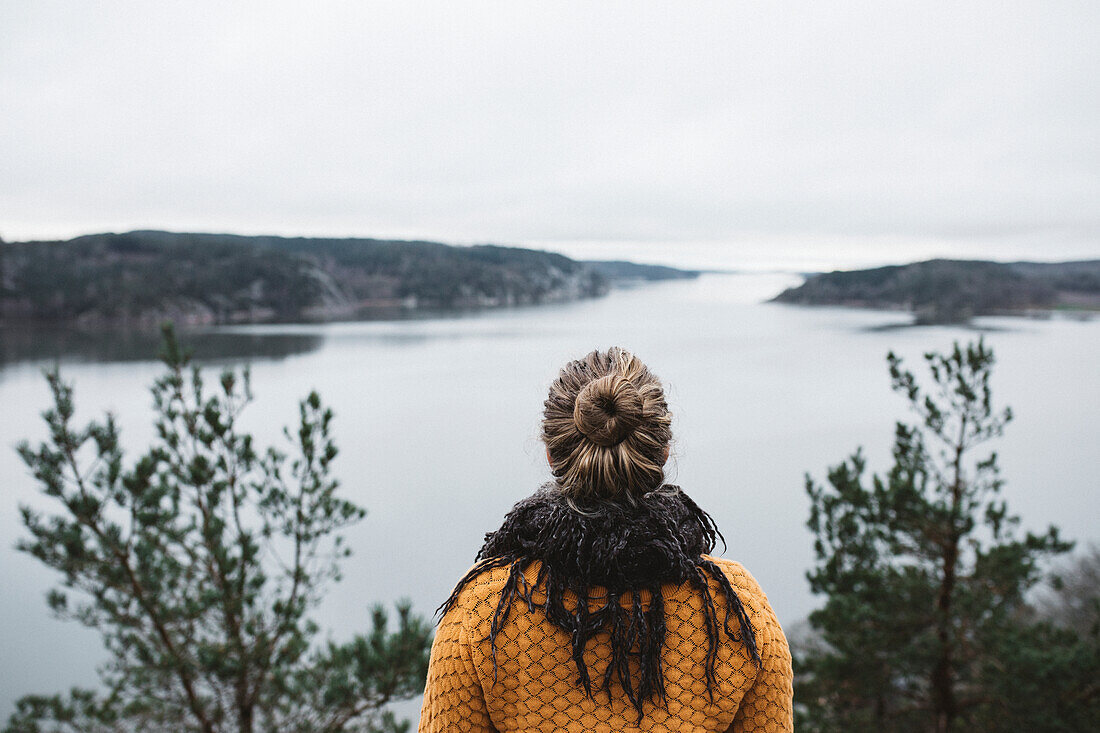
437	420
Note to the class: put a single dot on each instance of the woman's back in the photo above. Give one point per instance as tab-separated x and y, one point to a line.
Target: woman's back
596	606
534	685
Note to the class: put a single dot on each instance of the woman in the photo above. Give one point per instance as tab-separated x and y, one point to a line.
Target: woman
595	606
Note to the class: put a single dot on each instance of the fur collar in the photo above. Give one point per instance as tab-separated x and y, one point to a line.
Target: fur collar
618	546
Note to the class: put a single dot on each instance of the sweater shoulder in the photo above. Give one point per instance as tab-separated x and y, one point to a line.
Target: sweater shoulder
747	587
738	575
480	594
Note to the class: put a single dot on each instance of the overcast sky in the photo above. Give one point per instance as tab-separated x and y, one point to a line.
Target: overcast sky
811	124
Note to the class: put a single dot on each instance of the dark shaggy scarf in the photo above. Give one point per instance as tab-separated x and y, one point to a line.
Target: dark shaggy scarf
623	548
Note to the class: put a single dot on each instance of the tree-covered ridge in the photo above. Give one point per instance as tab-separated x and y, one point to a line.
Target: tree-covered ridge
952	291
634	271
144	277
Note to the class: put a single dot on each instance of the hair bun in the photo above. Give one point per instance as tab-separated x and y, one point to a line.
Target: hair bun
608	410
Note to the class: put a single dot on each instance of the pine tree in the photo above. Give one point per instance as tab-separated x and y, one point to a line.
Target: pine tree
924	569
200	564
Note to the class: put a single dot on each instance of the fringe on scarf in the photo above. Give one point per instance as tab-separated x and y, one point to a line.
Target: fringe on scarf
660	539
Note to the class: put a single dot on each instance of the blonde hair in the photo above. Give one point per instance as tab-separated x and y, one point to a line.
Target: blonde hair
606	426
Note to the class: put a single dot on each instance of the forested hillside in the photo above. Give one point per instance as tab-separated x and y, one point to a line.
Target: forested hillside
953	291
141	278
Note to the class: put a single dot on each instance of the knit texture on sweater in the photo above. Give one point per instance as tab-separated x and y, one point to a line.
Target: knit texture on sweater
665	634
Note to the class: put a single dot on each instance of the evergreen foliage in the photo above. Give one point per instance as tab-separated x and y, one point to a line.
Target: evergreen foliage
926	624
200	564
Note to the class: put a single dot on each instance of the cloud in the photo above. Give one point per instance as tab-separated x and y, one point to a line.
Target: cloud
523	121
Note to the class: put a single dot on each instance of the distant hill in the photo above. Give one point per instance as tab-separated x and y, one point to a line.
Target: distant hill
621	271
953	291
141	278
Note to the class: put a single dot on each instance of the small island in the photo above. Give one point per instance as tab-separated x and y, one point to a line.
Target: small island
139	279
954	291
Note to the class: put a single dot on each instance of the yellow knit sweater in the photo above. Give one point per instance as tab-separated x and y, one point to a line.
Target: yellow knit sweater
535	683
